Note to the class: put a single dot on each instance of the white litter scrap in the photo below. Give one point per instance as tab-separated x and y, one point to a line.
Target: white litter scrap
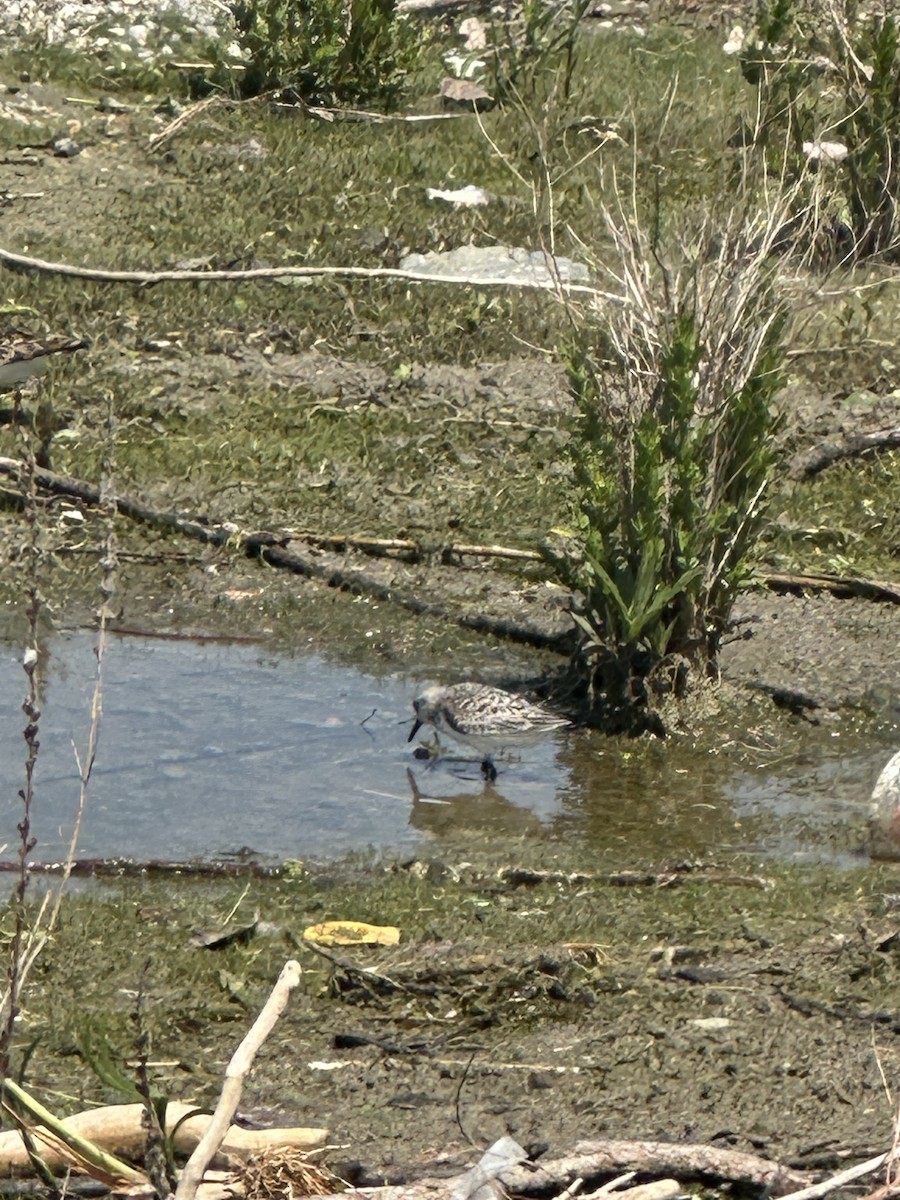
469	196
496	264
825	152
477	1184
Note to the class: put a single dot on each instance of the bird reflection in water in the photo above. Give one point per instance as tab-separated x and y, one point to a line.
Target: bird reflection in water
484	811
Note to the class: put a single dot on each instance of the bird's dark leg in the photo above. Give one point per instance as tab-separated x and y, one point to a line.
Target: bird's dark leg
488	770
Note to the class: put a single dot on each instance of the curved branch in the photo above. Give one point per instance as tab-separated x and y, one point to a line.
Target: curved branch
24	262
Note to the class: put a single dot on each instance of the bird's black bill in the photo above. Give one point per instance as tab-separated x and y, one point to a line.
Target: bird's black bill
415	729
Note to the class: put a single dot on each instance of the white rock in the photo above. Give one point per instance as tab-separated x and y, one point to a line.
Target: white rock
474	33
884	824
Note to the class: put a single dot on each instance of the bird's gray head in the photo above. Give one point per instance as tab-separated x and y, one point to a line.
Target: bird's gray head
426	706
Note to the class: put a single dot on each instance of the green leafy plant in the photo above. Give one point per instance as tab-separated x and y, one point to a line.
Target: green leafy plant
828	110
675	384
532	40
327	51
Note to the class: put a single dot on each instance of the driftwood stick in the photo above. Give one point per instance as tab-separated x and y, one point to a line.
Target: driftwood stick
592	1160
280	550
335	116
88	493
438	6
292	558
685	1161
415	549
99	275
206	531
119	868
66	1142
657	1189
183	119
235	1072
614	1185
117	1129
299	108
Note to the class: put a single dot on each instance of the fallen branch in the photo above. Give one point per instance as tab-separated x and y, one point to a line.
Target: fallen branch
657	1189
139	868
364	117
413	550
442	7
204	530
99	275
292	558
810	462
686	1161
284	551
186	117
299	107
529	877
838	585
817	1190
235	1072
593	1160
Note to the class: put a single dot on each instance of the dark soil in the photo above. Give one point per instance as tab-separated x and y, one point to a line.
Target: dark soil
736	1008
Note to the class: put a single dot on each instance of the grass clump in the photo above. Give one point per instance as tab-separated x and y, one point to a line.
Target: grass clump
675	386
327	52
828	107
539	39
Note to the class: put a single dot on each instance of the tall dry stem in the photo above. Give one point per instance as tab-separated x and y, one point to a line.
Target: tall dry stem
32	926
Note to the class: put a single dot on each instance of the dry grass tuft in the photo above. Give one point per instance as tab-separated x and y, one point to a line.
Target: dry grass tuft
283	1172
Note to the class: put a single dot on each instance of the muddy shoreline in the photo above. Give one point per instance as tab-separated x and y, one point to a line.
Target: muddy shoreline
737	1000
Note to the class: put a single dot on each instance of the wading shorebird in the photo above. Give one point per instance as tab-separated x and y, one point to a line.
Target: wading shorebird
23	356
488	719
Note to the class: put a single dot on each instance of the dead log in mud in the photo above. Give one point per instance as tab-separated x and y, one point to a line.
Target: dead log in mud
290	553
287	551
810	462
685	1161
296	557
141	868
844	586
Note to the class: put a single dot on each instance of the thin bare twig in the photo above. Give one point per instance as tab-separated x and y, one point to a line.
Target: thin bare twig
235	1073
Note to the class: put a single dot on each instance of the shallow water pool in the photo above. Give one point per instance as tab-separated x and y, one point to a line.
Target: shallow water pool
214	749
